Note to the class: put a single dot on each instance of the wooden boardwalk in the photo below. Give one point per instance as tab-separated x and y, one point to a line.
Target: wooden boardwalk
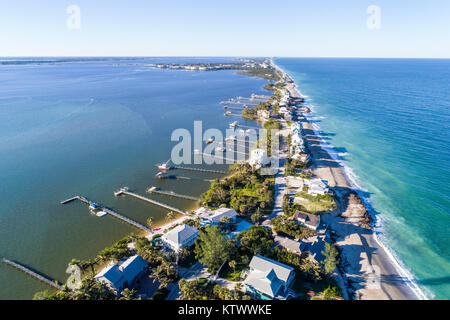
32	273
110	212
124	191
201	170
228	160
172	194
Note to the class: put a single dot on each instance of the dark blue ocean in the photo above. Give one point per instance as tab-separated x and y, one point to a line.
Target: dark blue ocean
388	120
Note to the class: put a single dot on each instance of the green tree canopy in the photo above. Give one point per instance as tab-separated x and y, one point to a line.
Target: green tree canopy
212	248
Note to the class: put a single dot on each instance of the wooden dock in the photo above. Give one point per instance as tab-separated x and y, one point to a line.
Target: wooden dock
171	194
32	273
110	212
249	127
201	170
230	160
124	191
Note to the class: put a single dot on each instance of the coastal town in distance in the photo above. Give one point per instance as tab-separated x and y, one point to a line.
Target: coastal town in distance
279	236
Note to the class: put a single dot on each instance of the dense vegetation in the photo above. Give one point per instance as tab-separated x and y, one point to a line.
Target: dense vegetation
249	113
290	228
245	191
212	249
202	289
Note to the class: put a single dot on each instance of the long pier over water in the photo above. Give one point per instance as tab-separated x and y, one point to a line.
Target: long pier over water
201	170
171	194
124	191
32	273
111	212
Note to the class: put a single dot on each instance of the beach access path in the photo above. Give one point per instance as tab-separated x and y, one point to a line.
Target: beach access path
367	269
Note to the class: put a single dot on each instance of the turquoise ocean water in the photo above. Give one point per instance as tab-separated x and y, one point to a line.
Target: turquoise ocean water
388	121
88	127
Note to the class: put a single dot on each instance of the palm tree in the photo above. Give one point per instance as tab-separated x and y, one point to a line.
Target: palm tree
170	215
232	265
197	221
150	222
91	263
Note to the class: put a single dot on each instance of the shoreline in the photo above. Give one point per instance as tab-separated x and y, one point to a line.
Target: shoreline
404	286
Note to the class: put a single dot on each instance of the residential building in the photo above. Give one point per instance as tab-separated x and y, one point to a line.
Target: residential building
263	114
123	274
258	157
317	186
216	216
180	237
309	220
268	279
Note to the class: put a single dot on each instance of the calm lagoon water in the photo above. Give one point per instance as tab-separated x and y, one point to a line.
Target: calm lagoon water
388	119
89	127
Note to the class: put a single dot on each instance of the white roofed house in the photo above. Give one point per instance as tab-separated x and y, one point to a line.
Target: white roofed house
180	237
123	274
258	157
216	216
263	114
268	279
317	186
304	157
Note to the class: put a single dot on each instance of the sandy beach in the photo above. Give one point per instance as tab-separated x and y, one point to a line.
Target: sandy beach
367	270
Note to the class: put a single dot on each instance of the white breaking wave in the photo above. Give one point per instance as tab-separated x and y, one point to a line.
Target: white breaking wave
352	179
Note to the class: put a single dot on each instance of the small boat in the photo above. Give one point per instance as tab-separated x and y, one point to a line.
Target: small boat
101	213
220	149
94	206
230	138
164	166
209	141
233	124
162	175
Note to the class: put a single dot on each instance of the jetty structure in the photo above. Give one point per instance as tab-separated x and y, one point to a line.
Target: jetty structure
34	274
125	191
171	194
200	169
96	206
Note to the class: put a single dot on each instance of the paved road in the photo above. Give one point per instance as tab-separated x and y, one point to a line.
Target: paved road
196	271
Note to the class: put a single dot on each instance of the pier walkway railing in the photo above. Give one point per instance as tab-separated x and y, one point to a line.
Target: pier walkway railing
201	170
124	191
109	211
33	274
172	194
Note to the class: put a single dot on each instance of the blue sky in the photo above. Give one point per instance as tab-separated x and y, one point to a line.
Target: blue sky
295	28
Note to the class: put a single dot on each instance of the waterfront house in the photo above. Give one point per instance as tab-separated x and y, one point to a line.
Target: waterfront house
123	274
309	220
268	279
179	237
215	217
304	157
317	186
258	157
263	114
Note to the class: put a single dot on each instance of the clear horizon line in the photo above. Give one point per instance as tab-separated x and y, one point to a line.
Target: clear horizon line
212	56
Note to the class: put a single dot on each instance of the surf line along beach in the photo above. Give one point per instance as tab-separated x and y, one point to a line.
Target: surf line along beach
369	271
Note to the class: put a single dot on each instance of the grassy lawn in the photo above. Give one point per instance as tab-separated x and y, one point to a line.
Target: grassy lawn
229	274
315	204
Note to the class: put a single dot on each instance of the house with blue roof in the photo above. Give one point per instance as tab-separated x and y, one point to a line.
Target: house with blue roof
123	274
